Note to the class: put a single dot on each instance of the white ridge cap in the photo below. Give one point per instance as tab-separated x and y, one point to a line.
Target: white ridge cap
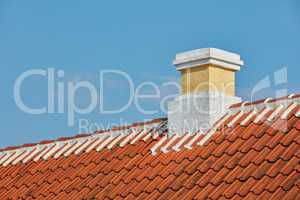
52	151
44	149
261	115
206	137
63	149
252	113
139	136
190	144
165	148
12	157
36	150
74	147
116	140
275	112
232	122
24	154
85	145
177	146
158	144
95	143
129	137
4	158
79	143
288	110
298	114
105	142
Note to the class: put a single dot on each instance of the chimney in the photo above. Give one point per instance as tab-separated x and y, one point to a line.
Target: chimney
207	89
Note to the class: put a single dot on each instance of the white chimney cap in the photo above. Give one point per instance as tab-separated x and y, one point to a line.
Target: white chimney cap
206	56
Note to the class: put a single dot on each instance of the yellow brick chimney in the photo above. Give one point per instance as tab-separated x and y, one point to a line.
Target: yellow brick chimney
207	87
208	70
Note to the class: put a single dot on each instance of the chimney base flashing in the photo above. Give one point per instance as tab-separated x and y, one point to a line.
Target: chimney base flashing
197	111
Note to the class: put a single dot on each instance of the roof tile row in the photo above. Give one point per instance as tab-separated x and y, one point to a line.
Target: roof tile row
243	157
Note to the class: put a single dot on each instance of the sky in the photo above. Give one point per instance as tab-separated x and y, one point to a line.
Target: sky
141	39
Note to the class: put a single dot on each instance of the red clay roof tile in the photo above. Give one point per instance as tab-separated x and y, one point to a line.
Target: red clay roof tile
276	168
275	183
279	194
294	193
233	175
232	189
260	186
203	194
219	177
245	188
253	159
182	180
205	179
290	181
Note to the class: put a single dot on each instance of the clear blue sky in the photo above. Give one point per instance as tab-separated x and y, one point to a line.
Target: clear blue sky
139	37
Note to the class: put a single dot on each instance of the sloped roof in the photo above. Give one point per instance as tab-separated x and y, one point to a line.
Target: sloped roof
253	152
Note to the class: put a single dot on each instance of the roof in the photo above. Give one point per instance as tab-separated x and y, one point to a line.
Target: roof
252	152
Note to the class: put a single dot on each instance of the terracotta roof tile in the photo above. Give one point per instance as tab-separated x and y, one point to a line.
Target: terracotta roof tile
255	157
261	156
289	182
235	133
206	164
180	193
294	193
292	164
232	189
234	160
192	168
216	194
191	181
276	168
234	147
221	148
245	188
261	170
261	143
248	144
279	194
290	151
217	166
203	194
233	175
205	179
260	186
219	177
275	183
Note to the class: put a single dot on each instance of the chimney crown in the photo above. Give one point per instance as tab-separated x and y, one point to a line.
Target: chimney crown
208	56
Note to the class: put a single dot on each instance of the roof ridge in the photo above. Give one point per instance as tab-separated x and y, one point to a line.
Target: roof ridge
238	114
83	135
290	97
84	144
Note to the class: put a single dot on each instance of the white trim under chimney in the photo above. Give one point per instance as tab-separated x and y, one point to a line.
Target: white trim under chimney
194	112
